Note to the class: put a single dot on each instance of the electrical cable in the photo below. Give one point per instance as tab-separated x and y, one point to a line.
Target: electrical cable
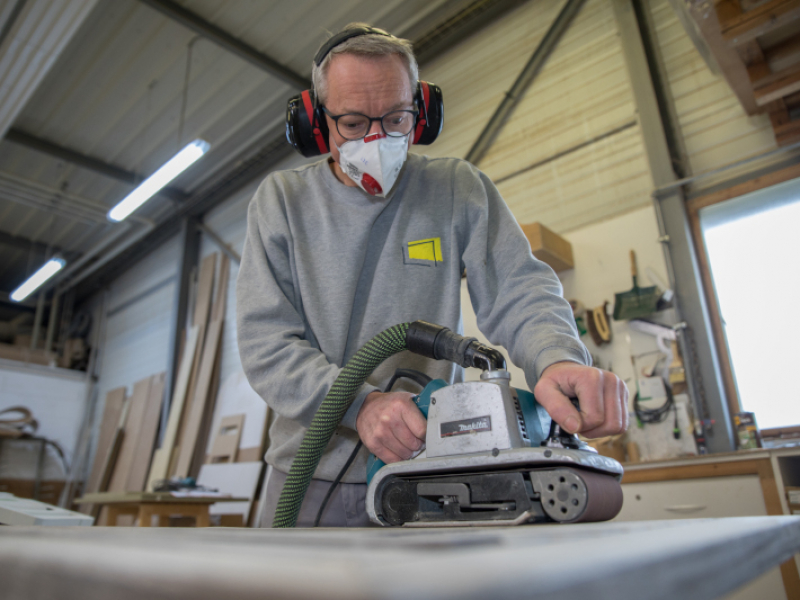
648	416
417	377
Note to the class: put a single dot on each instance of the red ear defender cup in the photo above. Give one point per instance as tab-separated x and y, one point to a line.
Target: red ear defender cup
306	126
430	121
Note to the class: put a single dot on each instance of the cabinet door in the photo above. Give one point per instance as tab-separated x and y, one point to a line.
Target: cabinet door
738	496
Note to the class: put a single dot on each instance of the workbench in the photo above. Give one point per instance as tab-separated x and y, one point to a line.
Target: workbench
145	505
733	484
687	559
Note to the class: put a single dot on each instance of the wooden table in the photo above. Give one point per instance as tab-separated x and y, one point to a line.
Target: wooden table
687	559
145	505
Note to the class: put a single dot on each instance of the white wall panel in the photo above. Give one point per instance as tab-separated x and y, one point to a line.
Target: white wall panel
55	397
716	129
229	222
602	268
582	93
137	334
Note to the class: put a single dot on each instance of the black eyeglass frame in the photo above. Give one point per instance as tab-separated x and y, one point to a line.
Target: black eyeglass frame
336	118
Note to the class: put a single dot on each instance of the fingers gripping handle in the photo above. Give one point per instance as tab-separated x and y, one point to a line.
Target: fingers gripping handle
558	438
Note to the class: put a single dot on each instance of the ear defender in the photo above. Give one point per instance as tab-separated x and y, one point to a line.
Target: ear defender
430	120
307	127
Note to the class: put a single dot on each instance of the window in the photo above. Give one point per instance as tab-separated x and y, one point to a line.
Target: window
753	246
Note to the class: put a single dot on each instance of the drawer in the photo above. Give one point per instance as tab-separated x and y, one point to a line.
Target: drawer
736	496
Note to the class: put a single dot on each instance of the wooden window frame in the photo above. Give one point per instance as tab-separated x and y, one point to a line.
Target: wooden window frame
693	208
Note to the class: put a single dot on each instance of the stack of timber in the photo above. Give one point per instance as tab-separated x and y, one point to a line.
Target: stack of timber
183	445
126	439
125	459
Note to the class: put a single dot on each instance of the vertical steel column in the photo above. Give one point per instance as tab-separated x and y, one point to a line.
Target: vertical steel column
675	228
51	322
37	321
190	252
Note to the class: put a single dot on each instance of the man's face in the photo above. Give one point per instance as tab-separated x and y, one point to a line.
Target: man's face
372	86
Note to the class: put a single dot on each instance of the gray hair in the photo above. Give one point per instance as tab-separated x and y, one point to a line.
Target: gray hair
365	45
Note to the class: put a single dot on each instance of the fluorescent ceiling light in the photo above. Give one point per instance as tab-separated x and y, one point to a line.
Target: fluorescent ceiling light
50	268
150	186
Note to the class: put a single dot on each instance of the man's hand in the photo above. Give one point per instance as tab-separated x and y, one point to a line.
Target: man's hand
603	399
391	426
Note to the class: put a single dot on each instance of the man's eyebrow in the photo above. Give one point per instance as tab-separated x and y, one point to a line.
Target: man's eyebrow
393	107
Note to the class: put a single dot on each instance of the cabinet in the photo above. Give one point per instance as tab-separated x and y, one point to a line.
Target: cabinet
749	483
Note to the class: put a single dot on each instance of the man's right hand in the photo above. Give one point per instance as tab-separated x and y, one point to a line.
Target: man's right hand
391	426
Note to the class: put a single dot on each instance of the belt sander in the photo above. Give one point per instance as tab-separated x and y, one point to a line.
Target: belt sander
492	455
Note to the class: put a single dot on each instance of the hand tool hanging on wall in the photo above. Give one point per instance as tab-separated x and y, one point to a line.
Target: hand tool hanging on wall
638	302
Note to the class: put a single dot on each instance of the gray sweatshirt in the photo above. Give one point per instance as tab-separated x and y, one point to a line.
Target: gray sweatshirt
326	267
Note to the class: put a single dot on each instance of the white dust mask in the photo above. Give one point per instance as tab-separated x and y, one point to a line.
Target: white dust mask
374	162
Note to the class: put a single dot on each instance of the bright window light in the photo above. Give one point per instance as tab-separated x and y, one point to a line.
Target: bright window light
753	249
150	186
50	268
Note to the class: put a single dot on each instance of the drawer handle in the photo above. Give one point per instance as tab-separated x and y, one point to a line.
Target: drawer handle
686	508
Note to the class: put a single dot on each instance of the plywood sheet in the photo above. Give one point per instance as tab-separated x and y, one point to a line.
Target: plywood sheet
235	397
147	435
226	439
133	424
108	427
690	558
218	310
197	409
205	287
189	398
237	479
162	457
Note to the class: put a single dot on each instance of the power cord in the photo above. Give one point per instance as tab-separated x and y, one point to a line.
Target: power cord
417	377
649	416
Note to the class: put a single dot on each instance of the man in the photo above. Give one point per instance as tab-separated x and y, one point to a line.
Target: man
328	263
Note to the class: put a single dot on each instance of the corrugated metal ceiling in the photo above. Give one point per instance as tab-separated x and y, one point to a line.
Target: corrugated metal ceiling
132	86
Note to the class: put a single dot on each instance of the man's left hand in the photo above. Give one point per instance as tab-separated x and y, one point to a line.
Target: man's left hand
603	399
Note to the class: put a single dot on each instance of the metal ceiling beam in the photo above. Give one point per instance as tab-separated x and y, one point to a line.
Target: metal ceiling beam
26	245
87	162
474	16
524	80
224	39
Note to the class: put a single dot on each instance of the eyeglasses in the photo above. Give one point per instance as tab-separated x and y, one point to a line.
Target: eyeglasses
354	126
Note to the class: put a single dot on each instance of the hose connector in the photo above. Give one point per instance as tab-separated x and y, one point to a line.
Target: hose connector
441	343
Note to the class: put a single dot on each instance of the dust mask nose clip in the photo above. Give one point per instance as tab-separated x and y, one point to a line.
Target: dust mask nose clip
374	162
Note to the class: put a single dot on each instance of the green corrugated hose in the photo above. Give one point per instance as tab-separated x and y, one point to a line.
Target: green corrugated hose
388	342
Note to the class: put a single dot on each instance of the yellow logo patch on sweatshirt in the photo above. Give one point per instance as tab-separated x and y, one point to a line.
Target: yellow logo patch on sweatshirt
426	252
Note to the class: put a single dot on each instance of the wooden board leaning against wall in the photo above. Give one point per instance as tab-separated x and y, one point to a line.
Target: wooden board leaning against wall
126	460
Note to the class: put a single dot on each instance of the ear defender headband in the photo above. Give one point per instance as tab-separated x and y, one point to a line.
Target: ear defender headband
307	127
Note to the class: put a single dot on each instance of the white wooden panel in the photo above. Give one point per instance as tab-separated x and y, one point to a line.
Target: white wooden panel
716	129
